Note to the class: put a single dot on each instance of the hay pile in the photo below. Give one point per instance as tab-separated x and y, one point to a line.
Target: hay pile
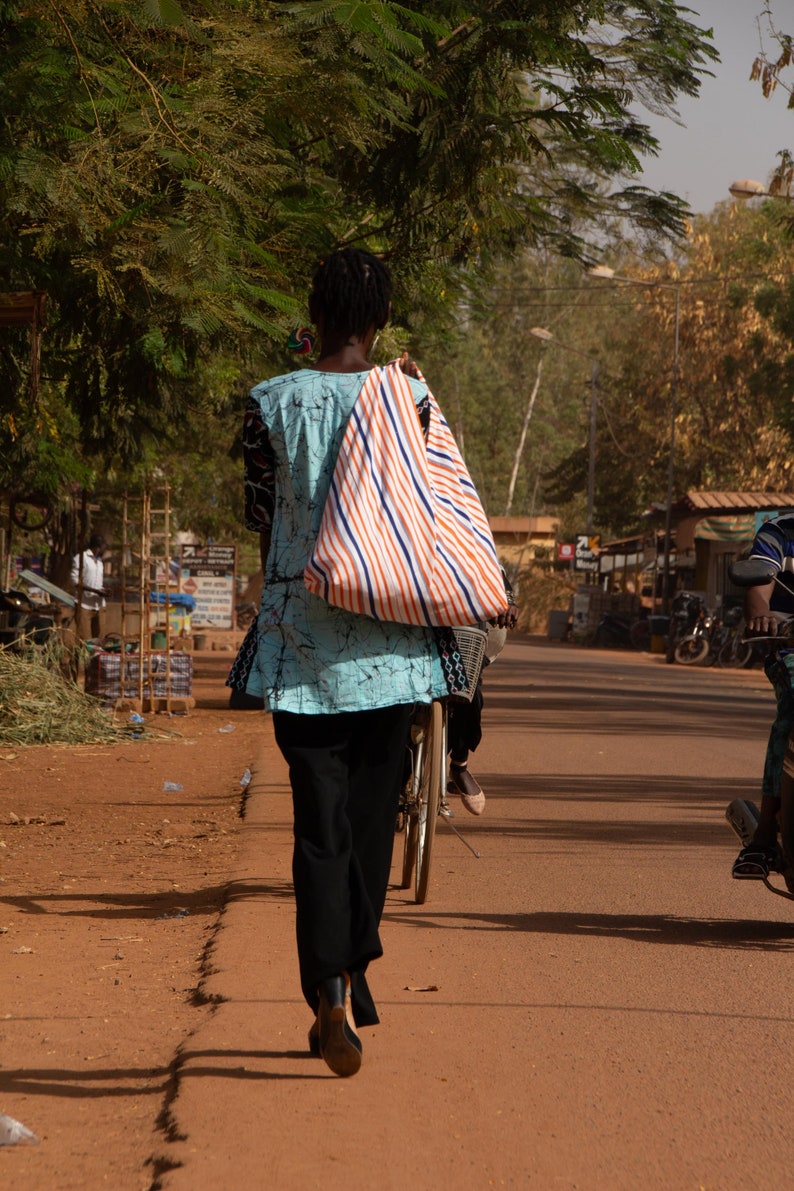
38	705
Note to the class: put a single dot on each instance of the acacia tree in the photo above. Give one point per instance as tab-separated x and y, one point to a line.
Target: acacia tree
773	70
736	373
169	172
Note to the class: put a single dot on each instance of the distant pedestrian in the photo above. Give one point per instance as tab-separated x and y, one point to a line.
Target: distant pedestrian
88	584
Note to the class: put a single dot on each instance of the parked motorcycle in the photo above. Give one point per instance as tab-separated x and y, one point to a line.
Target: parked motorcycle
622	632
246	612
702	646
687	611
20	618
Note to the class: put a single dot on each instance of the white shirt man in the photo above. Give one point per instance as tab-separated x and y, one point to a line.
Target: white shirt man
92	598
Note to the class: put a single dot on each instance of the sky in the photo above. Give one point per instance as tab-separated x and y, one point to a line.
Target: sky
730	130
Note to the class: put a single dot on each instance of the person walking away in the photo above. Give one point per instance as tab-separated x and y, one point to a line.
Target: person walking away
341	687
88	583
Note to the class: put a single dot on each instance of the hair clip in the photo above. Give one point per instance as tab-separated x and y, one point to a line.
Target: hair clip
301	341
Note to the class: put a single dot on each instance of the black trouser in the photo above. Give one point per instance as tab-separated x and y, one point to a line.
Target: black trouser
464	726
346	773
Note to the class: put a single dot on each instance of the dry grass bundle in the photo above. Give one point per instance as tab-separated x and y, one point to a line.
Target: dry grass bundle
538	591
39	705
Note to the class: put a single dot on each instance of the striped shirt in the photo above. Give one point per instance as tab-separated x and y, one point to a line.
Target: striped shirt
774	543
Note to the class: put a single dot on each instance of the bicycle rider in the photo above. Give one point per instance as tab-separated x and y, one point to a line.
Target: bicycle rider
765	607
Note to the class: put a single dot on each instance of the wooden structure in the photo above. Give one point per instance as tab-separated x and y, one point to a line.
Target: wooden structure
146	592
712	528
519	540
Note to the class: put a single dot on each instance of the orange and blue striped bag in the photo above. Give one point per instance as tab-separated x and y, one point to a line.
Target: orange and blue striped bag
404	537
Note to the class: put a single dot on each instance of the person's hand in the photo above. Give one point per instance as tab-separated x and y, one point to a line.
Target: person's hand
761	626
408	366
508	618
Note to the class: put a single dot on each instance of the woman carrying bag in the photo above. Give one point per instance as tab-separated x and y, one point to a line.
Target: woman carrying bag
341	685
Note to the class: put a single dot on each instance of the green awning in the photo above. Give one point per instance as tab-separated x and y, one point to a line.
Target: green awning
726	529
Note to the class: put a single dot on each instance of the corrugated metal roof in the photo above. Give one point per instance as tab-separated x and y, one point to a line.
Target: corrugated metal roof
734	502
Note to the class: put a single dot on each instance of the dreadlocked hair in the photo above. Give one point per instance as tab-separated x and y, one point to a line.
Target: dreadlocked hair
352	291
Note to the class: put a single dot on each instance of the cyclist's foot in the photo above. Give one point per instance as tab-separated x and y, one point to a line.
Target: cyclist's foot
756	861
340	1045
464	783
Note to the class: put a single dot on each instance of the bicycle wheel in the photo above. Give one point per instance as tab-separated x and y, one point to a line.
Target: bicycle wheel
691	650
432	783
408	817
411	833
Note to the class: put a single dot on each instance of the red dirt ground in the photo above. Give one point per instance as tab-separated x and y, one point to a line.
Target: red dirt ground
110	889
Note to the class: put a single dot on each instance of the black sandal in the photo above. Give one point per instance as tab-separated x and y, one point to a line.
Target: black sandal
756	861
339	1044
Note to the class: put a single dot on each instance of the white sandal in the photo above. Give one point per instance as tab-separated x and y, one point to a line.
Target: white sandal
473	800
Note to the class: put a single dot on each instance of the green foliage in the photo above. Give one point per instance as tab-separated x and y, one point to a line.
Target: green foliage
170	172
735	394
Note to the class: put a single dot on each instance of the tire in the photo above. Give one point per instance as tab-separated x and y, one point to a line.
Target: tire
411	837
432	784
31	514
735	652
787	822
721	637
692	650
640	635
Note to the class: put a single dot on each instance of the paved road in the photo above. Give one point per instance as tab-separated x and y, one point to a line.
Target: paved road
608	1011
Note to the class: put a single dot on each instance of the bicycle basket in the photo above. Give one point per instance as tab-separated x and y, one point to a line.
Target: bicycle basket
471	646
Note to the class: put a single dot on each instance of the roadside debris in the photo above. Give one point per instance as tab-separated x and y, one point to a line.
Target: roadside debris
14	1133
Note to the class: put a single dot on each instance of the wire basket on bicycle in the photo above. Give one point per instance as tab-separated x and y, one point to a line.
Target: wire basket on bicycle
471	647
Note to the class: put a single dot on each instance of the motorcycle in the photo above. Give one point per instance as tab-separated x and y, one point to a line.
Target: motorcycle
686	612
742	814
702	646
245	612
21	619
621	632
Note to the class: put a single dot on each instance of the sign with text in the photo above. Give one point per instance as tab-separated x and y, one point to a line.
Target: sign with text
566	551
588	547
208	574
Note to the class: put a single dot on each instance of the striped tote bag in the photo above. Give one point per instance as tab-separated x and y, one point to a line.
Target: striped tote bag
404	537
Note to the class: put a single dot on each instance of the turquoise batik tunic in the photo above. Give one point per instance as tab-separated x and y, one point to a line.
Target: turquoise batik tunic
311	657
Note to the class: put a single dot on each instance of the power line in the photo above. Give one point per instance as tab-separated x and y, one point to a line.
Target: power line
641	283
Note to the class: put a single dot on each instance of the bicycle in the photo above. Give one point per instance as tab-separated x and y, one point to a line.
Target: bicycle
738	651
424	796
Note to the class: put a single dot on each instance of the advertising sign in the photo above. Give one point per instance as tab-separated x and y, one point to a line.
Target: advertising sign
588	547
566	551
208	574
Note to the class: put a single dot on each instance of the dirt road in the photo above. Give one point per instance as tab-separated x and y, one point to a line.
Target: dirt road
580	1007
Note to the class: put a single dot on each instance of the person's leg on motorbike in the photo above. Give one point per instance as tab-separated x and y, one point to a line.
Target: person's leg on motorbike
762	855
